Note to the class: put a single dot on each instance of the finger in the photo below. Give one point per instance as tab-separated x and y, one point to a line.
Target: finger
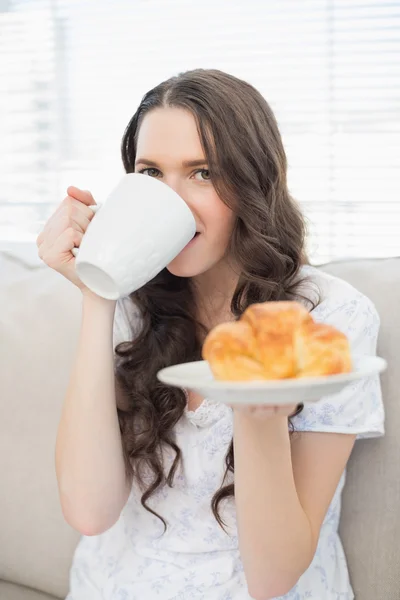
82	195
54	228
284	410
240	407
63	244
77	214
39	238
70	210
83	208
70	206
42	237
46	238
264	412
69	239
72	213
255	409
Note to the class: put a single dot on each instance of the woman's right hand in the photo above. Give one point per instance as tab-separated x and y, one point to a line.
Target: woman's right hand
64	231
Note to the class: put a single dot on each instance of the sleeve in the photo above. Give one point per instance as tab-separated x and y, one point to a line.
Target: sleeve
358	408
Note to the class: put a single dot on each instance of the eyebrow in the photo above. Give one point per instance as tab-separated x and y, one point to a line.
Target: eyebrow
185	164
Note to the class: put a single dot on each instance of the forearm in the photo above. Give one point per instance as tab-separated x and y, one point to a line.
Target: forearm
89	459
275	537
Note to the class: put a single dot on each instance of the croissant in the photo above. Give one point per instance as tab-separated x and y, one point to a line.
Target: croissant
276	340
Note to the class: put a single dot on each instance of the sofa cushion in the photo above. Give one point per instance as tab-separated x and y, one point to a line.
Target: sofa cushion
370	522
39	325
11	591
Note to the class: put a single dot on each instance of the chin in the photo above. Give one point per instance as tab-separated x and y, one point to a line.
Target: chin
184	267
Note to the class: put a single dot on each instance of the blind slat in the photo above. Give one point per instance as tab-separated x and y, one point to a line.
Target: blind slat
330	71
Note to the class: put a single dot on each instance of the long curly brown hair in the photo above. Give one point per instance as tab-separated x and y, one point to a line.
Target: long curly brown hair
248	168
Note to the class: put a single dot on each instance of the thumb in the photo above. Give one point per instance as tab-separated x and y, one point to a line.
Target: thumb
83	196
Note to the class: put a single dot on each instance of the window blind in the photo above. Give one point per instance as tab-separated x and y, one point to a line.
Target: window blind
72	73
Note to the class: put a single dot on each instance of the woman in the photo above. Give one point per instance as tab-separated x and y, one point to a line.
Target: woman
178	497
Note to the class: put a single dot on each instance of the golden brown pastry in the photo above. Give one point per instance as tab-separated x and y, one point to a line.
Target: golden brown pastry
276	340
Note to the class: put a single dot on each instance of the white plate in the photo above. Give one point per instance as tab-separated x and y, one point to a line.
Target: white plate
197	376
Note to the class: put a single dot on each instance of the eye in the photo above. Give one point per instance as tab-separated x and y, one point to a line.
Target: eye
204	175
150	171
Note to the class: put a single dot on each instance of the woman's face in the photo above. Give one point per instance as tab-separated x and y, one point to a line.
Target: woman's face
169	149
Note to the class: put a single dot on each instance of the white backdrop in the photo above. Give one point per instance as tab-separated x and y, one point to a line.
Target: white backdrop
72	73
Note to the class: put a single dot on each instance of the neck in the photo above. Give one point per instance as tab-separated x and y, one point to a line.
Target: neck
213	292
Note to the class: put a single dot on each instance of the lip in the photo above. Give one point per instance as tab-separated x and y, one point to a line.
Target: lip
194	239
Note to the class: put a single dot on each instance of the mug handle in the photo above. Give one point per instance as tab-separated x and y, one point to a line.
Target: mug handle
95	208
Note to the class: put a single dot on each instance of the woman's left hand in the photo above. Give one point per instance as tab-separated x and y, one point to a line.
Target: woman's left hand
265	412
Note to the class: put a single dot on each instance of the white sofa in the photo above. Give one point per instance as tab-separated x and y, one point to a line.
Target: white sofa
39	324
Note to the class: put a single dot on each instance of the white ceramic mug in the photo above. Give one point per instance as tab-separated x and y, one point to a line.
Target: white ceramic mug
137	232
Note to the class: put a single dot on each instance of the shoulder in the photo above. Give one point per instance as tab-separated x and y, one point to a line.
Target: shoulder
357	409
127	321
342	305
